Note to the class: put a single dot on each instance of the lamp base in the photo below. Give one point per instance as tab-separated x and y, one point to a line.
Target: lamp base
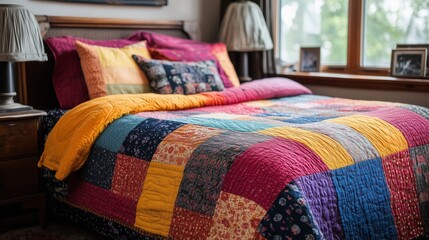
244	79
244	67
14	107
8	105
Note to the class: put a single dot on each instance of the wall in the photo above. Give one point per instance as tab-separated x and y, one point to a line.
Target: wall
204	12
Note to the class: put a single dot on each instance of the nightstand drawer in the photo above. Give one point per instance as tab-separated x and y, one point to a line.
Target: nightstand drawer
18	177
18	138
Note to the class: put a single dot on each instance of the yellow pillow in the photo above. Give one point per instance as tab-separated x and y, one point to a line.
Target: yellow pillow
111	71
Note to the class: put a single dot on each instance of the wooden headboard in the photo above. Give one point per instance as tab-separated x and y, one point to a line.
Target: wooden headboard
34	84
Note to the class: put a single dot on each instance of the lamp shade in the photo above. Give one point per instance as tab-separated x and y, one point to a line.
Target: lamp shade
20	35
243	28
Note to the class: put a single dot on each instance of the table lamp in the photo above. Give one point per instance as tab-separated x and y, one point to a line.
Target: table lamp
21	41
243	29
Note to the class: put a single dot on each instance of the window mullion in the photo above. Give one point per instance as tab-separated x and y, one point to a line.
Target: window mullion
355	30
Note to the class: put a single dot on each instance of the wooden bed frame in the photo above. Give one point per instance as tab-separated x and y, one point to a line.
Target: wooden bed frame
34	84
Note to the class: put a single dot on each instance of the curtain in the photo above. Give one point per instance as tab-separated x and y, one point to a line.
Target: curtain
261	63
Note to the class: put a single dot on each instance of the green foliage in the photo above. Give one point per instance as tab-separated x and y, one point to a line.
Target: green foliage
387	23
334	30
387	26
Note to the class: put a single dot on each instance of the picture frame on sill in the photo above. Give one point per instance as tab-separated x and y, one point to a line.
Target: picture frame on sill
406	45
407	62
122	2
309	59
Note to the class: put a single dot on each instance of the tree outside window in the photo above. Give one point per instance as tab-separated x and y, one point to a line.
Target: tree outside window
325	23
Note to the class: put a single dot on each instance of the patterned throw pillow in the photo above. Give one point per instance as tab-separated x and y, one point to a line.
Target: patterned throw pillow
168	77
110	71
171	48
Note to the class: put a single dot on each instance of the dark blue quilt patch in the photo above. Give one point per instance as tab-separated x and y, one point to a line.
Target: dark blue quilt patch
364	201
143	140
98	168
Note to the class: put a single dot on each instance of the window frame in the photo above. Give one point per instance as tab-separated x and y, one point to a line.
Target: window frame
353	74
354	43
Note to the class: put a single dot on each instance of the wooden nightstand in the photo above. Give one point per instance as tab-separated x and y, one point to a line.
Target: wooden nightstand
19	153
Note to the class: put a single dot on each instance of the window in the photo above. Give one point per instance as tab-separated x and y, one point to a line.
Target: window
387	23
313	23
354	35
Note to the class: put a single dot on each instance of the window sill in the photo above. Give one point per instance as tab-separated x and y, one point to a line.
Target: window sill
359	81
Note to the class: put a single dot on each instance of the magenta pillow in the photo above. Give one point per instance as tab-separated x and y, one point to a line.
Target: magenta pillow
67	77
157	40
166	47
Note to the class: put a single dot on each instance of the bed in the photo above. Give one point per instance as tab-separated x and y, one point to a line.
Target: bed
263	160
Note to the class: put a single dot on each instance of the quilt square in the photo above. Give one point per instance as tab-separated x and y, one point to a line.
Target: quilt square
319	192
420	159
383	136
178	146
232	125
252	172
189	225
204	174
102	201
399	174
235	216
156	203
332	153
143	140
424	112
129	176
99	167
114	135
363	196
289	217
416	134
359	147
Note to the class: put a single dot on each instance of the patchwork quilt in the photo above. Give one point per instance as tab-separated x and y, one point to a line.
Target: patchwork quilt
267	160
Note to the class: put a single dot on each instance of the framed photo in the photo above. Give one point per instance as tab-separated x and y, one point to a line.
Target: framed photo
408	62
122	2
309	59
403	45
